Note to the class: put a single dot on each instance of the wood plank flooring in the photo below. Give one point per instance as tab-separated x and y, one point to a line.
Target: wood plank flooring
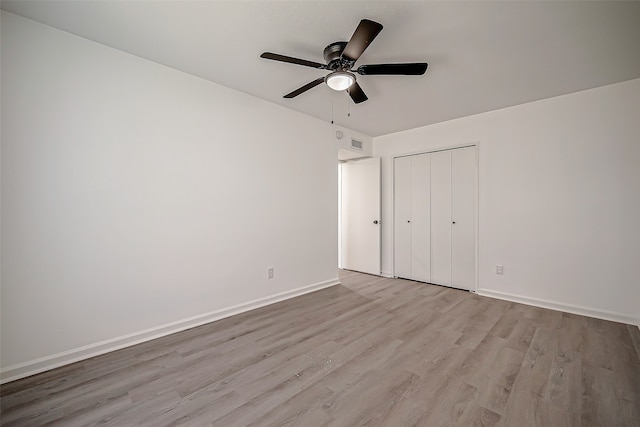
370	352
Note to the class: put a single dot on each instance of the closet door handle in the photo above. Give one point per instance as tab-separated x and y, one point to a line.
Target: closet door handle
453	222
375	222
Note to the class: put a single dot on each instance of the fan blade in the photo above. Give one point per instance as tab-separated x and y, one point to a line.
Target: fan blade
412	69
304	88
290	60
356	93
365	33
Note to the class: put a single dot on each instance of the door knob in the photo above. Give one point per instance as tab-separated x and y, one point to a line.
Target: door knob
453	222
375	222
408	221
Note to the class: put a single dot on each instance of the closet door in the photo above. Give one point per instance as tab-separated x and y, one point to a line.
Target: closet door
421	217
402	217
441	217
463	206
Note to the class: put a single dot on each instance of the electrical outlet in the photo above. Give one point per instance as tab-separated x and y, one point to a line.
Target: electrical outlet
499	269
270	273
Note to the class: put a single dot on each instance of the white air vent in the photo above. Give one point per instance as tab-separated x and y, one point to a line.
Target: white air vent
356	145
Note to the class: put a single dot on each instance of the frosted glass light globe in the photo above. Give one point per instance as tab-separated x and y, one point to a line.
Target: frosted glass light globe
340	80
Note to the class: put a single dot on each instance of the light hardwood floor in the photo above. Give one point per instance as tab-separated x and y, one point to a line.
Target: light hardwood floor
372	351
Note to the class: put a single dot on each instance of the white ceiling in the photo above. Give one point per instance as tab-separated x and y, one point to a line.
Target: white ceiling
482	55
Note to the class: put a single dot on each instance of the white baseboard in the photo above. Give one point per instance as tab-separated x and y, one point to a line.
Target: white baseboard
386	274
32	367
553	305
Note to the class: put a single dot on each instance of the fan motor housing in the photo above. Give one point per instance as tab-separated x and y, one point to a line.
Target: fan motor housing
332	55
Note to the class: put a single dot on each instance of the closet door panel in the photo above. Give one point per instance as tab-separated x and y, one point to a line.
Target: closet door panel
421	217
402	217
441	218
463	204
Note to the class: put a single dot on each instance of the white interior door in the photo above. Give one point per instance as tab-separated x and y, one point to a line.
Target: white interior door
463	216
402	217
360	216
441	218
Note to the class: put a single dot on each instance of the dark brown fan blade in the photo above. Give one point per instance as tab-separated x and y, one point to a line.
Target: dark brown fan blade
290	60
356	93
365	33
305	88
412	69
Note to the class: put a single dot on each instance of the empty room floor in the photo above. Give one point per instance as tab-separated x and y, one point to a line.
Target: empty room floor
372	351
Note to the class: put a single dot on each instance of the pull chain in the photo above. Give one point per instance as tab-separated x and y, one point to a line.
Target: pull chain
333	99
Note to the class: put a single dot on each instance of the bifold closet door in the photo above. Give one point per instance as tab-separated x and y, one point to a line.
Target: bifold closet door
412	246
402	217
421	217
441	218
435	217
463	216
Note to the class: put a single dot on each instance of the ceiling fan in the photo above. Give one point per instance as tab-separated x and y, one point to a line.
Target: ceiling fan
340	58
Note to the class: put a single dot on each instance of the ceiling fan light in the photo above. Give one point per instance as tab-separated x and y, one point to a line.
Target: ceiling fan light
340	80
